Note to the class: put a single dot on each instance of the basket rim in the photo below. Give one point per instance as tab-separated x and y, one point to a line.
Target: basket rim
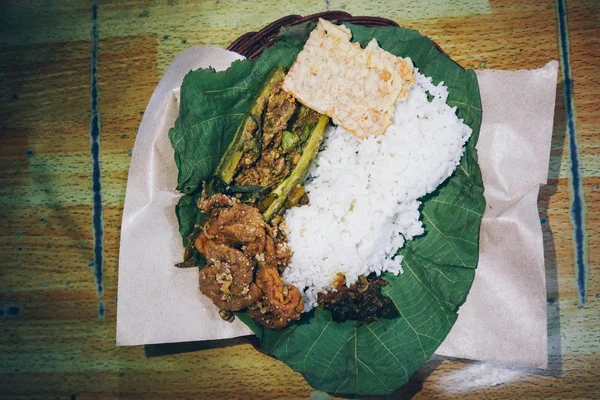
252	44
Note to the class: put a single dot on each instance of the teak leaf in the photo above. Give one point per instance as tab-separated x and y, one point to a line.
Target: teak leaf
439	266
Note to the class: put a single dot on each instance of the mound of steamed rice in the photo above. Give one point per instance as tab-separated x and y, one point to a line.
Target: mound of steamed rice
364	192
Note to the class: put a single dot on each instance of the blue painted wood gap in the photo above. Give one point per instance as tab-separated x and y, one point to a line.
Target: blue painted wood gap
97	222
578	201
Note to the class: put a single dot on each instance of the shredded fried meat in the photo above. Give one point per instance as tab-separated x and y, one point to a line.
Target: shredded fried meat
232	223
238	244
227	278
279	304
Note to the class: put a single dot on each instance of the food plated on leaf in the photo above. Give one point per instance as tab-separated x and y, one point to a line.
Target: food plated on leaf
332	198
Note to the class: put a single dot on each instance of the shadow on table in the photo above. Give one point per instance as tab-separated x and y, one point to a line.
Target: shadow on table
164	349
546	192
412	387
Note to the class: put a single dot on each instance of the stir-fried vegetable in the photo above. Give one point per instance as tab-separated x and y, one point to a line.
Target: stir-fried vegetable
269	156
296	178
249	129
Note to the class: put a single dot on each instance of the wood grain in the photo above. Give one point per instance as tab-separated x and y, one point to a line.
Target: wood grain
57	336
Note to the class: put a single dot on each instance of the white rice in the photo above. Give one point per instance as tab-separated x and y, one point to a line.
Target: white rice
364	193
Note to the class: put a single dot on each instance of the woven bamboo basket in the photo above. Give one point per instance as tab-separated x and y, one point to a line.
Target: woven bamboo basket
251	44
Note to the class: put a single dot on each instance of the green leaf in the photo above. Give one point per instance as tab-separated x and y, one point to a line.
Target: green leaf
254	326
188	215
439	266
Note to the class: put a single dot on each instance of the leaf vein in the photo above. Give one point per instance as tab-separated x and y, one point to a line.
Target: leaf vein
315	342
445	237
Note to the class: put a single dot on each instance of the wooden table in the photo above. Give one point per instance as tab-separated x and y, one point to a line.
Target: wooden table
58	217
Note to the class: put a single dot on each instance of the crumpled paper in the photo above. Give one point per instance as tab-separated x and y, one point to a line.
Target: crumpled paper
504	317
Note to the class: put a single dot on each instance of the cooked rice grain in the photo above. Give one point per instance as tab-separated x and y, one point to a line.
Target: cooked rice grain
364	192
